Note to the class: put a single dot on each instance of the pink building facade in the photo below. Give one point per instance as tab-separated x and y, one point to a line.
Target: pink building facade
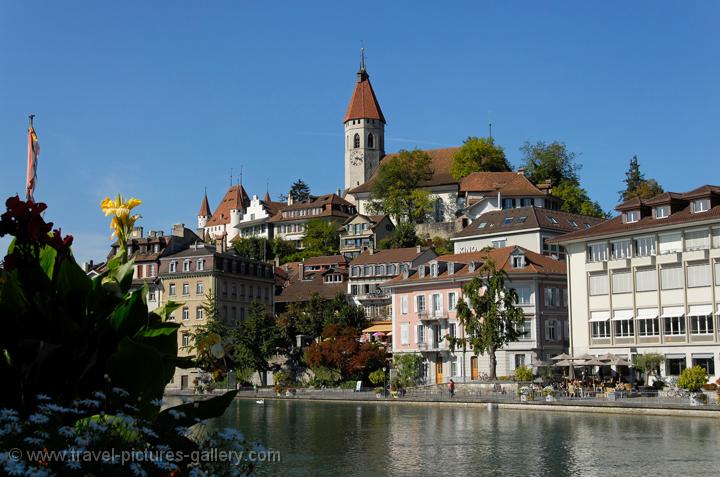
424	312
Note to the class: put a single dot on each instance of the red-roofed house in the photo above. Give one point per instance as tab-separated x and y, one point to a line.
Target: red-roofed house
424	301
226	218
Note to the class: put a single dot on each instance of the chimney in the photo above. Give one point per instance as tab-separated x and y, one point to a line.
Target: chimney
87	266
290	199
137	232
178	230
338	193
418	248
371	248
301	270
521	171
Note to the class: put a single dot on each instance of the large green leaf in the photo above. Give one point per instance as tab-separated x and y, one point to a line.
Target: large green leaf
186	414
47	260
72	278
165	311
163	336
130	315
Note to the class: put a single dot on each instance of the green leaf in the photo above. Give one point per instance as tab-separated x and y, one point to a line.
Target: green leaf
165	311
208	409
47	260
162	336
130	315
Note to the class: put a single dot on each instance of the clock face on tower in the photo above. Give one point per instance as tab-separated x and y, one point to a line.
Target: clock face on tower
356	158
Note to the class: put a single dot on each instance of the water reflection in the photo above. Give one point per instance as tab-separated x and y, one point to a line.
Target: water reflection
332	439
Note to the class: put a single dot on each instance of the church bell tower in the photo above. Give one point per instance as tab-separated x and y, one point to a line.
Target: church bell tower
364	131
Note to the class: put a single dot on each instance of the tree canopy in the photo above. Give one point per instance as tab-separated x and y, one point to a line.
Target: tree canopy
322	237
299	191
255	248
403	236
553	162
636	185
489	314
396	190
479	154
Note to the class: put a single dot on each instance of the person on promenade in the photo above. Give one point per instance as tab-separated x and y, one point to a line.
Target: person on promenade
451	388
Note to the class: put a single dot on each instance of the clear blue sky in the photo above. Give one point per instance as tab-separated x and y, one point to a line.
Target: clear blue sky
160	99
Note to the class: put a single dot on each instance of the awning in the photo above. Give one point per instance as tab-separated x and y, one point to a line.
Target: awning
702	355
622	315
718	311
382	326
700	310
597	316
673	312
674	356
647	313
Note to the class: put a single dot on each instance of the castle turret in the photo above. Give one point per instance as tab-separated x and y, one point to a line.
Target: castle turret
204	214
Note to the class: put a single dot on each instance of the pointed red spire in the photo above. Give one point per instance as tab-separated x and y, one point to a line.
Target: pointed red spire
363	103
205	207
266	199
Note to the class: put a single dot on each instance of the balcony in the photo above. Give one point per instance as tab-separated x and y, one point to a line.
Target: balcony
433	346
374	295
432	315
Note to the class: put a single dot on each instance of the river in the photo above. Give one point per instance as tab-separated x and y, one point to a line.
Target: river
341	439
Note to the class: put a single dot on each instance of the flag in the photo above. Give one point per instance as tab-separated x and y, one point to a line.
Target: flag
33	154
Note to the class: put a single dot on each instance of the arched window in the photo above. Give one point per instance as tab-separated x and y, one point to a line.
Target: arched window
371	141
356	141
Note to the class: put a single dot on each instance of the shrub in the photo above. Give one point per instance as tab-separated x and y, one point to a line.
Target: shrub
692	379
523	374
548	391
504	378
407	366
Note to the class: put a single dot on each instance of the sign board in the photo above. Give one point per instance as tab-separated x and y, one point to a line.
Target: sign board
358	386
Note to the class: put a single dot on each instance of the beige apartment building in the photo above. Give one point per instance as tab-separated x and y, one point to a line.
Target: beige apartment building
200	273
648	280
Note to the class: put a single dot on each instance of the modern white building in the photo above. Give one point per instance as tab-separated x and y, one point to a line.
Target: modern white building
649	281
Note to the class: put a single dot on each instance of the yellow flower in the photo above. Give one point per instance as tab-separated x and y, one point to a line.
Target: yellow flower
122	222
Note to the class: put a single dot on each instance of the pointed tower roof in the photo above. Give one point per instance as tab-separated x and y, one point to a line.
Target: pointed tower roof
205	207
266	199
235	199
363	103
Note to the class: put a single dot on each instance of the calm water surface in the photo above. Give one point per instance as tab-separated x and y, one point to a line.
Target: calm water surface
337	439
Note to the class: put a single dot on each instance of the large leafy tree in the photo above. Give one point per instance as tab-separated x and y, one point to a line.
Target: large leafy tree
397	189
321	237
489	314
553	162
479	154
636	185
403	236
342	352
256	248
319	312
257	340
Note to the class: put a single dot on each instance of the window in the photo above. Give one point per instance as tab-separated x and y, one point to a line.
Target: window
715	237
647	322
527	202
598	284
151	295
697	240
436	303
525	330
199	313
620	249
675	365
600	329
199	288
356	141
508	203
673	324
704	361
698	275
200	265
499	243
701	319
452	301
453	366
173	266
518	261
552	219
519	360
420	336
700	205
622	281
371	141
552	297
404	304
632	216
662	212
645	246
670	243
482	225
434	269
391	269
185	340
185	313
521	220
507	220
597	252
186	265
553	250
151	270
172	290
645	279
671	277
624	327
572	223
452	330
420	303
717	274
404	333
524	294
551	330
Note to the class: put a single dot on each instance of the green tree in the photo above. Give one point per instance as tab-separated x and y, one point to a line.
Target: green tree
396	190
403	236
282	249
256	248
319	312
443	246
321	237
649	363
257	340
490	316
693	379
299	191
553	162
636	185
407	367
479	154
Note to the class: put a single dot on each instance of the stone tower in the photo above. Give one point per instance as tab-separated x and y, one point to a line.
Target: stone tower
364	131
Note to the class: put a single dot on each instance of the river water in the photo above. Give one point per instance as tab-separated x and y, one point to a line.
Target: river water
340	439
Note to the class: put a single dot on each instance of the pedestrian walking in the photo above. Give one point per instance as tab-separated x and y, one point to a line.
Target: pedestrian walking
451	388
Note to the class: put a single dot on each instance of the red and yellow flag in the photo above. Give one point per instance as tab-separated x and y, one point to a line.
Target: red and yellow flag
33	154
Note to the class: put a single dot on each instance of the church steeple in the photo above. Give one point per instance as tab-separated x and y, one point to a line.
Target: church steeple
364	130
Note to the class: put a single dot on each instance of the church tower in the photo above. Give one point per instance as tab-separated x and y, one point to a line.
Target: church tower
364	131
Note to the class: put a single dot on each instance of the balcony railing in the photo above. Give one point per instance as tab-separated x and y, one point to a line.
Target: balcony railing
374	295
432	315
433	346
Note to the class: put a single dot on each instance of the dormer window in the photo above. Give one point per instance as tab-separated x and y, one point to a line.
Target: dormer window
631	216
451	268
662	211
186	265
173	266
552	220
421	271
518	260
433	269
700	205
507	221
482	225
471	267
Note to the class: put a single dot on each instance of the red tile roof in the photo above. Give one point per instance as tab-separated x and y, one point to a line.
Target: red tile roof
441	163
390	255
302	290
325	260
235	198
204	207
363	103
327	203
507	183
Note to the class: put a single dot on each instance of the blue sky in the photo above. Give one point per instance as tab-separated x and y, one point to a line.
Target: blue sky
161	99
